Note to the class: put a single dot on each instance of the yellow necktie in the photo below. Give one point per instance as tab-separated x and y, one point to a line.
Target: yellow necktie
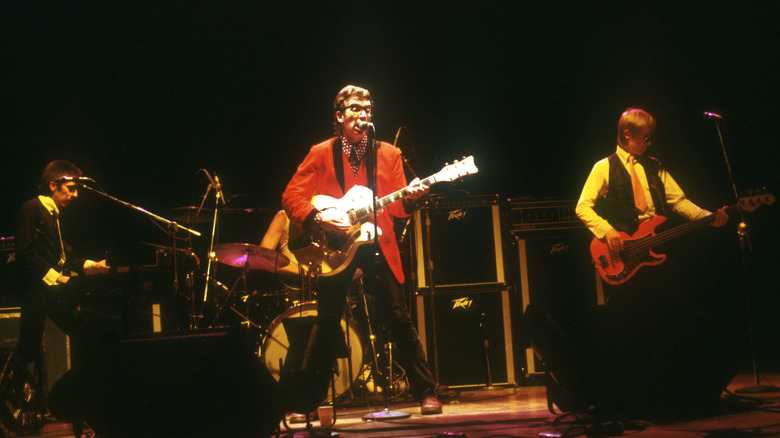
639	195
62	245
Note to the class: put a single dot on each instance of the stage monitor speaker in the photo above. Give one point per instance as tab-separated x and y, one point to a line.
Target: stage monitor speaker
198	383
555	274
473	328
9	327
465	242
56	353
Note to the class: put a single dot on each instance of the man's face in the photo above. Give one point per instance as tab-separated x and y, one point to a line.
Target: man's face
63	193
638	144
356	109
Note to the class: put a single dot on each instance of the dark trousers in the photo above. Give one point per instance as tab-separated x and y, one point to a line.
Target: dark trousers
391	308
60	303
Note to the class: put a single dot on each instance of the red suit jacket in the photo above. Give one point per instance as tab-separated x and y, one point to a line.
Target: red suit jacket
316	176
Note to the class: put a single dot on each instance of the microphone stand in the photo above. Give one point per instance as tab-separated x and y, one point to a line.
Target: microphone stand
171	225
372	154
428	262
745	249
211	257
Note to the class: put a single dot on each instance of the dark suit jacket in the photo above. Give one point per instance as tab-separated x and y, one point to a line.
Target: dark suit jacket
38	245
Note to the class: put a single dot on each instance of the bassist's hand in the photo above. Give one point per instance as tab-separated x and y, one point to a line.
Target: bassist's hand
614	241
721	217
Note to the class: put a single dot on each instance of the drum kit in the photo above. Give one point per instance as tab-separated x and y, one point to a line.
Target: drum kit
270	287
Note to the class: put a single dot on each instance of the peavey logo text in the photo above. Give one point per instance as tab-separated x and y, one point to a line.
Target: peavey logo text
464	303
559	247
456	215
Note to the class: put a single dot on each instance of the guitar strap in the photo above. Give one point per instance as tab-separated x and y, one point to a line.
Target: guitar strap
338	163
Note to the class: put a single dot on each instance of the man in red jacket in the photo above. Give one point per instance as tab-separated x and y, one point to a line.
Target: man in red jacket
331	168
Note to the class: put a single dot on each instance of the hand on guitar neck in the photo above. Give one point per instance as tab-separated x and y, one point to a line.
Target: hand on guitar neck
614	240
618	256
416	190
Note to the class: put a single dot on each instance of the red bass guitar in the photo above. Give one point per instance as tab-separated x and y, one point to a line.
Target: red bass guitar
618	268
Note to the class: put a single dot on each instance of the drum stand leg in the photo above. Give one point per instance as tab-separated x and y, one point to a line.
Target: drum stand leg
386	412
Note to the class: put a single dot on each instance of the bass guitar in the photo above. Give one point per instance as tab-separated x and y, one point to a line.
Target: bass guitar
618	268
331	252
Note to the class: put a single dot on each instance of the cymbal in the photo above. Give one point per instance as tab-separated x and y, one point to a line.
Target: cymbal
252	257
190	215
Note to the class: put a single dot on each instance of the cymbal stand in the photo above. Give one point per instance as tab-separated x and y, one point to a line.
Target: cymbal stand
386	413
232	295
746	248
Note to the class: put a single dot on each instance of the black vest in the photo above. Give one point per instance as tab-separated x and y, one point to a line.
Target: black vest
617	205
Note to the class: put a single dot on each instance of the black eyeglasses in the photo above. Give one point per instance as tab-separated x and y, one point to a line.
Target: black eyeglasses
357	109
647	139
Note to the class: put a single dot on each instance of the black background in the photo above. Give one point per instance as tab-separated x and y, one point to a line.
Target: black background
141	95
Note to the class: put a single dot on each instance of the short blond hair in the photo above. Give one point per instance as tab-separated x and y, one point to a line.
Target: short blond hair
634	119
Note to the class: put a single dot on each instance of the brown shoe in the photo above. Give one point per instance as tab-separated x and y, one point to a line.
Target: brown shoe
430	406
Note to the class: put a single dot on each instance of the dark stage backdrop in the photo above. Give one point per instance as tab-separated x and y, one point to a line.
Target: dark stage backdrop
143	94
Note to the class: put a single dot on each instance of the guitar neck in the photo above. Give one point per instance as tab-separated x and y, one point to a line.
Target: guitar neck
684	228
362	213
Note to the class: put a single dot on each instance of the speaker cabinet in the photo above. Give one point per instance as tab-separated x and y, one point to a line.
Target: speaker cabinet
556	275
9	327
56	346
465	242
184	384
467	334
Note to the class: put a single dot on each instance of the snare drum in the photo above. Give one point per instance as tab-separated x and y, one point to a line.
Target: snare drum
275	347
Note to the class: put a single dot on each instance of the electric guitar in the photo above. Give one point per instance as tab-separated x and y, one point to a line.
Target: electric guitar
618	268
331	252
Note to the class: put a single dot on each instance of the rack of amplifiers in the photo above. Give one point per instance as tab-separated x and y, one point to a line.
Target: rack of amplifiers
554	268
464	315
490	258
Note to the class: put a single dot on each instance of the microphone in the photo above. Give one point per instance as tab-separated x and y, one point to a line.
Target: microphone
215	184
712	115
218	187
364	125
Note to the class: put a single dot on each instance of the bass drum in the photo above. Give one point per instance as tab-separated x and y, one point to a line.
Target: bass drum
275	347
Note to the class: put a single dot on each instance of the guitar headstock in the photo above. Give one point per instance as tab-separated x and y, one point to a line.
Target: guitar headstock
750	203
457	170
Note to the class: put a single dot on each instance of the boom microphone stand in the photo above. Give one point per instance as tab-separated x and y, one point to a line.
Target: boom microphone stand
745	249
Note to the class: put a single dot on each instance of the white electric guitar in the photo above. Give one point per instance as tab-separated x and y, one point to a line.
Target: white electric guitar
330	252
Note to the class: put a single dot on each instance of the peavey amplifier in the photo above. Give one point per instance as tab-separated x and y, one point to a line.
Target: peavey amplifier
462	239
466	332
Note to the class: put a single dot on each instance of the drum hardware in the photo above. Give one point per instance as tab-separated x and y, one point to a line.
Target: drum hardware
191	215
247	257
250	257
